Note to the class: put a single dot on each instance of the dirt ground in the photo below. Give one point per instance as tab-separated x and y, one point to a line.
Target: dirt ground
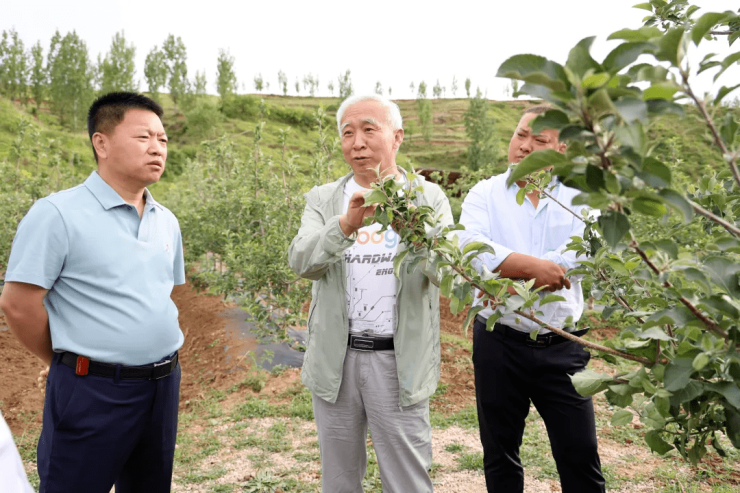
213	359
207	365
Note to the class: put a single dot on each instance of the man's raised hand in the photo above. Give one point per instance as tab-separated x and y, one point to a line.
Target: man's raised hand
357	211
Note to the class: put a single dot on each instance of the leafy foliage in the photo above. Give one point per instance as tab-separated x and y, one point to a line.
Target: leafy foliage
479	127
683	301
118	69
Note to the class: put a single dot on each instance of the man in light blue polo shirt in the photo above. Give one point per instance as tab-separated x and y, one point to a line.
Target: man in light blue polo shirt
88	290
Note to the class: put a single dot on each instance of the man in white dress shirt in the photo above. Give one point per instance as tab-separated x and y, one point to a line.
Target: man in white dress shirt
511	369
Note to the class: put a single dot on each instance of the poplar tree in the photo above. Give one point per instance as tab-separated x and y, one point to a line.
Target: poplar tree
200	83
283	82
38	76
424	106
70	78
175	56
467	86
155	71
118	69
226	82
378	88
479	128
345	85
453	87
14	66
258	83
437	90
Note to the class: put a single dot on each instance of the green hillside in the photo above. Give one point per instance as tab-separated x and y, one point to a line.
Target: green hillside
682	138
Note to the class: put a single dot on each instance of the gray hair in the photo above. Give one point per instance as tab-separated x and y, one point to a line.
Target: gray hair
393	113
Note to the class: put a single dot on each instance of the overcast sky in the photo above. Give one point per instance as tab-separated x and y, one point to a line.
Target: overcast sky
394	42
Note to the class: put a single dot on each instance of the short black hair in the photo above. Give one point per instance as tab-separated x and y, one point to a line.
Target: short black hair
109	110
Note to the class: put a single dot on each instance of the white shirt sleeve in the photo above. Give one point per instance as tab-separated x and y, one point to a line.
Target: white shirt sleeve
13	477
475	218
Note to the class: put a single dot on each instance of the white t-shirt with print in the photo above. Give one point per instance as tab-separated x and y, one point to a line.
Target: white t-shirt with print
371	287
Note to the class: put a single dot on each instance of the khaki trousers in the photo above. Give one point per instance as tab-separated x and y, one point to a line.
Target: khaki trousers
402	437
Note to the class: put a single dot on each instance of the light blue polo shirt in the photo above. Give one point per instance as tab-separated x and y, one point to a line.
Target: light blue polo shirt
109	273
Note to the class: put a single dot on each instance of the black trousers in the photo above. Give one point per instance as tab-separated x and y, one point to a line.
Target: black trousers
98	431
508	375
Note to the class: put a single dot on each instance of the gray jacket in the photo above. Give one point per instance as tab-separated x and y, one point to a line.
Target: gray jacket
316	253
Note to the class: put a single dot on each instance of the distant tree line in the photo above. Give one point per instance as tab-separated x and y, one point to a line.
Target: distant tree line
67	79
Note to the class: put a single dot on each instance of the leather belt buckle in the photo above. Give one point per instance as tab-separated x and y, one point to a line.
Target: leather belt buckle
361	343
163	369
538	343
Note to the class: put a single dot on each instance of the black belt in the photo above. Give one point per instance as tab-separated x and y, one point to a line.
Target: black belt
364	342
542	340
85	366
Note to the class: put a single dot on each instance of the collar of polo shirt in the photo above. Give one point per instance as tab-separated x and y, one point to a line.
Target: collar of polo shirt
109	198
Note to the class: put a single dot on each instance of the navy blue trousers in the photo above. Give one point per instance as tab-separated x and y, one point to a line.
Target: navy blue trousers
100	431
508	375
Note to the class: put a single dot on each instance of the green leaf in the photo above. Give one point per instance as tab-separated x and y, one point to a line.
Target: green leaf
644	6
621	417
551	298
614	225
728	390
728	130
729	60
588	382
704	24
668	246
660	90
656	443
471	316
625	54
492	319
663	107
672	46
652	417
445	287
724	273
700	361
690	392
654	333
535	162
580	61
732	426
374	196
631	109
723	303
678	373
632	136
477	247
550	119
595	178
679	203
617	266
655	173
520	195
597	80
642	34
535	70
649	206
397	262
